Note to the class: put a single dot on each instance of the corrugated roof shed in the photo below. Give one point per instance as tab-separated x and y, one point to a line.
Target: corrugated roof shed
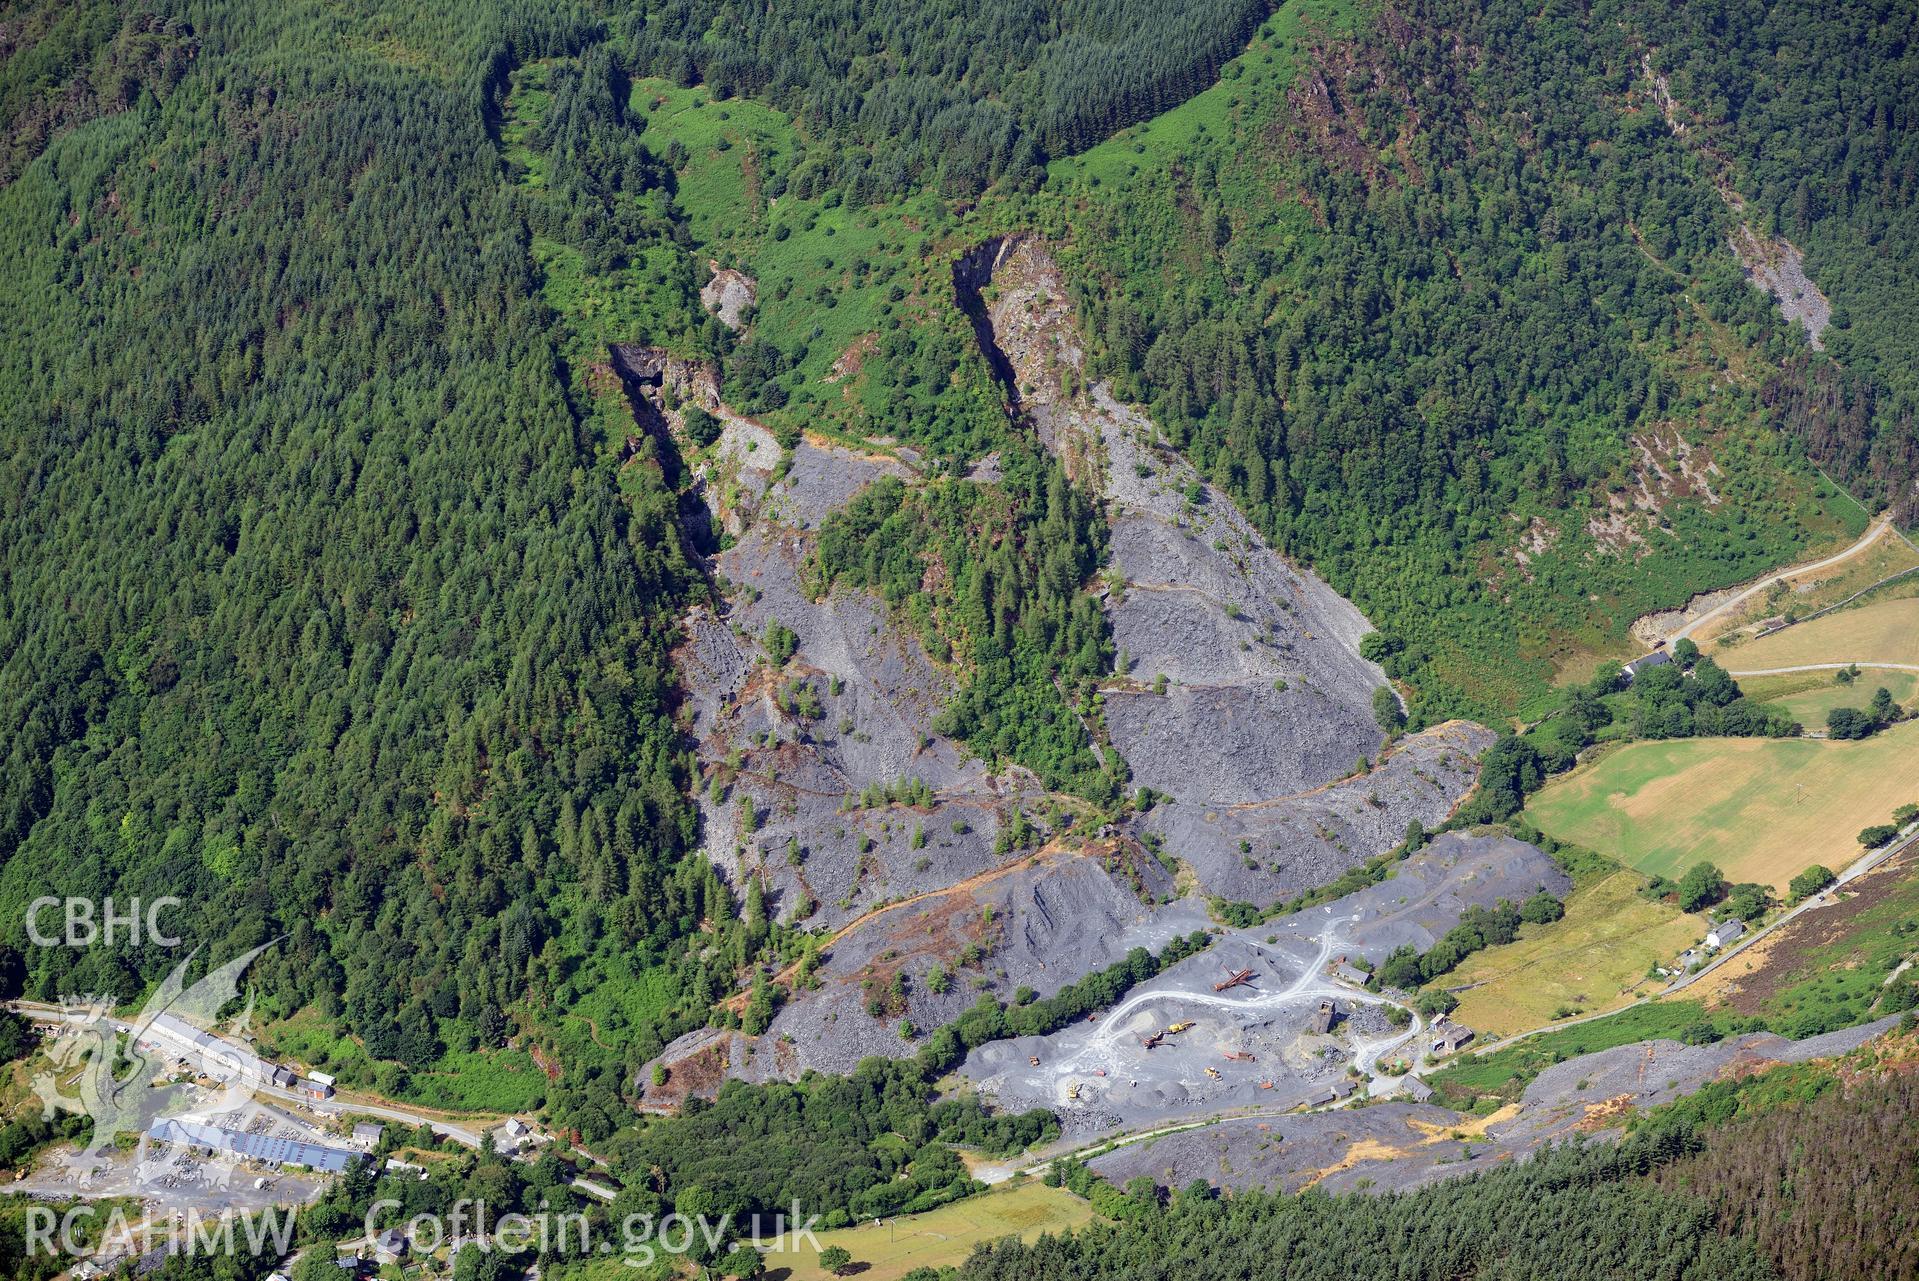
253	1147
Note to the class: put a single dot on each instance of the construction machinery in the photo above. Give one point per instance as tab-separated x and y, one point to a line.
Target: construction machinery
1072	1092
1234	979
1213	1072
1154	1039
1240	1056
1177	1028
1034	1060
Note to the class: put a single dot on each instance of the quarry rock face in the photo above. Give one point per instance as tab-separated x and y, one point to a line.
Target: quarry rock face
1240	691
1240	699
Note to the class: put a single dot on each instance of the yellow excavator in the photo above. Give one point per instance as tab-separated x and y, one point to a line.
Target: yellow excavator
1072	1092
1213	1072
1177	1028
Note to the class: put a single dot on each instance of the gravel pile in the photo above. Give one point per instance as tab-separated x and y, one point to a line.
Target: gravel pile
729	294
1397	1146
1291	1152
1584	1093
823	479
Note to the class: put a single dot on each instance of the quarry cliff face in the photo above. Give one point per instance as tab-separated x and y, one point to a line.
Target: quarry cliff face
1240	695
1240	691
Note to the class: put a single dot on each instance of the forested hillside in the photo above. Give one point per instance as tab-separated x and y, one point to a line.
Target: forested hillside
321	613
956	93
1571	1213
1817	108
1437	294
340	583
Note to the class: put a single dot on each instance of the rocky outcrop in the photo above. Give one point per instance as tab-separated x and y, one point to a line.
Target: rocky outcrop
730	295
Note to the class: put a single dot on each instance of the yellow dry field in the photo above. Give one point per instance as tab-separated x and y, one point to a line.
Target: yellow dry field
941	1238
1764	810
1594	958
1883	632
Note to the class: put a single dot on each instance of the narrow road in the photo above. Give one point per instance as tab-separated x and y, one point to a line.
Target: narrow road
333	1106
1859	868
1825	667
1879	529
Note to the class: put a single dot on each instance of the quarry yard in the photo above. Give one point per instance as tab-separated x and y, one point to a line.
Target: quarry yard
1393	1147
1252	1045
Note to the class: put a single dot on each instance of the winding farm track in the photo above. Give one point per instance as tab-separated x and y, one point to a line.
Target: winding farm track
1880	528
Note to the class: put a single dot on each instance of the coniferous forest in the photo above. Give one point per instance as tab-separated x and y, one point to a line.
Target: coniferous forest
332	605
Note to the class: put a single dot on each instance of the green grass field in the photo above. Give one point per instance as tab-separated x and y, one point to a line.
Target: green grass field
1504	1073
1269	63
1594	958
1810	695
943	1237
1762	809
731	147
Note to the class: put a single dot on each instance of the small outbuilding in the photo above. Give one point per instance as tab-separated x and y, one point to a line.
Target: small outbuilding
1448	1037
1347	972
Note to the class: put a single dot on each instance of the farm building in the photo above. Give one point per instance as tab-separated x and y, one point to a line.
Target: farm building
1724	933
1658	658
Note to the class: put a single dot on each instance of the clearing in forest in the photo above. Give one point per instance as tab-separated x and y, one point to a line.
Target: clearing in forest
941	1238
1761	809
1593	959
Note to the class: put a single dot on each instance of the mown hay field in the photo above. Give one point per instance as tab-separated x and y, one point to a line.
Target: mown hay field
941	1238
1761	809
1593	959
1884	632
